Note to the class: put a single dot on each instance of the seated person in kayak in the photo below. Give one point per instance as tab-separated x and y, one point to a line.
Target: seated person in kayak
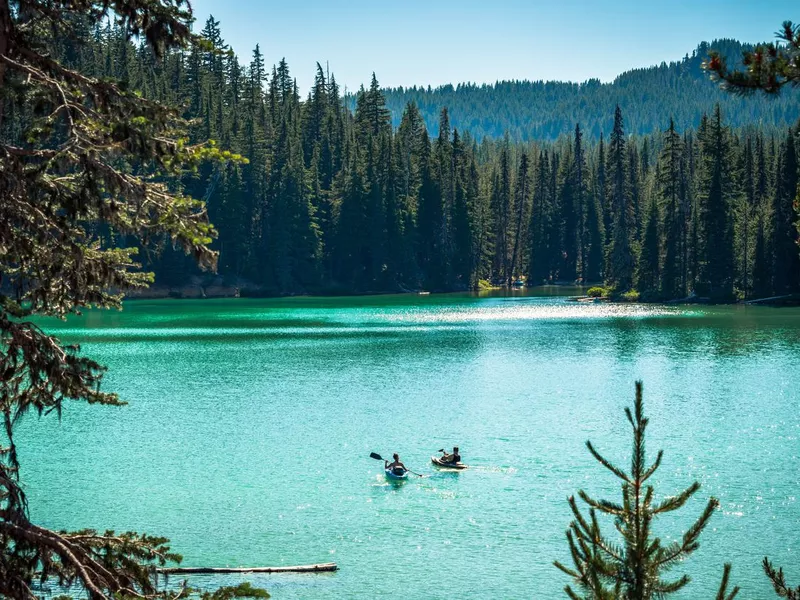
397	467
453	458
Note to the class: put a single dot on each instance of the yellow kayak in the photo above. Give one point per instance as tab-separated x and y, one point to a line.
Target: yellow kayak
459	466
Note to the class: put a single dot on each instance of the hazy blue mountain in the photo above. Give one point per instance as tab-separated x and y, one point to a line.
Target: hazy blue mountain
545	110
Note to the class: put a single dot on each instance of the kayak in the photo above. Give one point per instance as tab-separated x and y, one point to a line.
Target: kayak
459	466
390	474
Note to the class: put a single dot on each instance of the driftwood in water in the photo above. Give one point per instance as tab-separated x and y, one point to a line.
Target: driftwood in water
319	568
772	299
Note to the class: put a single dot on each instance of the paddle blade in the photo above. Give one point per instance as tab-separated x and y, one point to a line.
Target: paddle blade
375	455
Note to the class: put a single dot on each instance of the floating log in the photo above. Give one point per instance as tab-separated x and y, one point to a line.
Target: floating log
318	568
771	299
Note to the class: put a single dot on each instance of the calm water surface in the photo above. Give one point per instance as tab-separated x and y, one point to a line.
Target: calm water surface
250	424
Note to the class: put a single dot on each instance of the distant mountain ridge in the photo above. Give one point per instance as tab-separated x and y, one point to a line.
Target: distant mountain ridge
539	110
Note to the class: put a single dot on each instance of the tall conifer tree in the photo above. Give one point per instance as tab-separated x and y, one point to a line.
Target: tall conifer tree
620	263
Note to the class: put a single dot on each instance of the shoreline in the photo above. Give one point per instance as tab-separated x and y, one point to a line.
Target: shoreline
222	292
196	290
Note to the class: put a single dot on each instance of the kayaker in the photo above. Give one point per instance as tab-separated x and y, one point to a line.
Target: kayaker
397	467
453	458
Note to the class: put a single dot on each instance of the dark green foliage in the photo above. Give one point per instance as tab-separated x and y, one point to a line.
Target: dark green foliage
574	207
541	226
596	292
767	67
331	201
503	209
648	277
518	226
745	217
593	242
620	265
785	258
243	590
779	582
86	168
633	568
716	274
670	192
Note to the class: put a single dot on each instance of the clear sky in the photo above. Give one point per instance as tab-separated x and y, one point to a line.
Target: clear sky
433	42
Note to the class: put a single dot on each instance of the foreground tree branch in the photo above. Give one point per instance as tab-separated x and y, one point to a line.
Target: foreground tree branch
87	167
768	68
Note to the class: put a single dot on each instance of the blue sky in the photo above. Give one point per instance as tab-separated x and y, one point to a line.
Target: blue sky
433	42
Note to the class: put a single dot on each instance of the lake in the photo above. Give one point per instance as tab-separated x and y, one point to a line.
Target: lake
250	424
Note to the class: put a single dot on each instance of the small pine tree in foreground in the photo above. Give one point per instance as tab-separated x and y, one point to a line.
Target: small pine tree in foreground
779	583
635	568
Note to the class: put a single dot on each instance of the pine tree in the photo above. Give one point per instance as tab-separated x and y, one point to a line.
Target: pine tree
573	208
541	223
782	589
315	112
521	204
351	242
648	275
669	190
372	118
445	178
408	141
636	196
786	261
602	188
431	255
634	570
746	214
465	191
395	244
553	233
593	243
502	206
483	220
716	225
690	211
620	263
762	265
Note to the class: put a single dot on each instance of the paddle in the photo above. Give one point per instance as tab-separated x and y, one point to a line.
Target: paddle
377	456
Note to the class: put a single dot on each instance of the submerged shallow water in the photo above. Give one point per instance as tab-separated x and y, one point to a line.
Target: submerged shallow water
250	424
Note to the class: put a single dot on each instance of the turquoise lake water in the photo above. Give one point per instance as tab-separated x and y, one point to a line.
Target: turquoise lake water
250	423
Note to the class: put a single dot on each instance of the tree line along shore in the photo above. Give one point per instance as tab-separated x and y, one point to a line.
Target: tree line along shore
331	202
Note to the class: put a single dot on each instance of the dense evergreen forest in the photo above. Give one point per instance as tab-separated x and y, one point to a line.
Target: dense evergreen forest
547	110
338	201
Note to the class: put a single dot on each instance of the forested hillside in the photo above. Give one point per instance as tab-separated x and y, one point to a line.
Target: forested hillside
539	110
334	201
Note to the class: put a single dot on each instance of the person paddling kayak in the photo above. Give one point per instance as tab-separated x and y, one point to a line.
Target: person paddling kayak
397	467
453	458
